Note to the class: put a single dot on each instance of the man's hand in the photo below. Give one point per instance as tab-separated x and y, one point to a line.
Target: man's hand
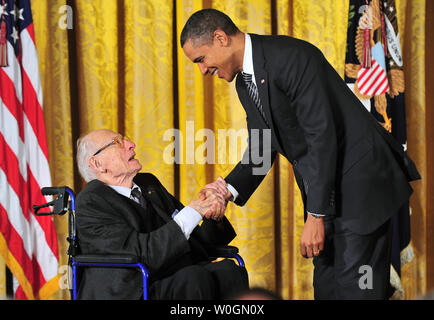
210	204
218	186
312	238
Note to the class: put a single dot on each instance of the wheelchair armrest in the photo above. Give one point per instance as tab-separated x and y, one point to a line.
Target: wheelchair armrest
222	251
109	259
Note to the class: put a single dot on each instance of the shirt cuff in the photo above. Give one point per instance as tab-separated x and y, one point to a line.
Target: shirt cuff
233	191
317	215
187	219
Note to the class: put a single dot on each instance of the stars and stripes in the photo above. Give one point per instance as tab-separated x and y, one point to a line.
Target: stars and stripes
28	243
372	81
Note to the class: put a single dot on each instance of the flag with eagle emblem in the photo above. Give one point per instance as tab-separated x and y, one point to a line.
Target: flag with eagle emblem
374	71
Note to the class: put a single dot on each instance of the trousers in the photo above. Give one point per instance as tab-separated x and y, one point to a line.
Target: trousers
202	281
353	266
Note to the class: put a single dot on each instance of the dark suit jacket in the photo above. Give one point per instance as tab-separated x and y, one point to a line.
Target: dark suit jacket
344	162
109	223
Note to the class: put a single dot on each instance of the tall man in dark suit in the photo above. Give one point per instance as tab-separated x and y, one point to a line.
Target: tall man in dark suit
121	211
352	175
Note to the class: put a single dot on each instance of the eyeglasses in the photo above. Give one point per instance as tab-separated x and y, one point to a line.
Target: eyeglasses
118	140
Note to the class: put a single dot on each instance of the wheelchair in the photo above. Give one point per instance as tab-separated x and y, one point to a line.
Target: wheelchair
65	202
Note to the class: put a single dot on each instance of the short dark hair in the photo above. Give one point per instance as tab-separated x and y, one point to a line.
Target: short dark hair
202	24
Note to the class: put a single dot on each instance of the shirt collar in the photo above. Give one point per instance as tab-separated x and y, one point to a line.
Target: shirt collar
248	57
125	191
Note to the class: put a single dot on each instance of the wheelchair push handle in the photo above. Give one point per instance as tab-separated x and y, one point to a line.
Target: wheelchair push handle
50	191
60	204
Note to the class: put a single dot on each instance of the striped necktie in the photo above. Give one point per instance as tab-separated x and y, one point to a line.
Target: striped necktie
254	94
135	193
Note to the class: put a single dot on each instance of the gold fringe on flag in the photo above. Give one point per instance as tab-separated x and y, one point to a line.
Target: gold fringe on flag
367	59
3	45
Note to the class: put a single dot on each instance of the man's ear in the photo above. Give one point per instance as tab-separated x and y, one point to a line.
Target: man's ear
222	38
95	164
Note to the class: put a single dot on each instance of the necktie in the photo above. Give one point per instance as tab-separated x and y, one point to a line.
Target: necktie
135	193
254	94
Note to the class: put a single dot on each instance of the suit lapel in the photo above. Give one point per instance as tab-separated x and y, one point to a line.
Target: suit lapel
162	207
261	78
262	83
154	197
130	206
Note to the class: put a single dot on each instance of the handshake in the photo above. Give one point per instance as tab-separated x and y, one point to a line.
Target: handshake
213	199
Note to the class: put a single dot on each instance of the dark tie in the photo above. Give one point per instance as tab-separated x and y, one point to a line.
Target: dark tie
135	193
254	94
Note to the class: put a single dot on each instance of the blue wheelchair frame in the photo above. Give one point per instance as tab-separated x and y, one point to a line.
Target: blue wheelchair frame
61	205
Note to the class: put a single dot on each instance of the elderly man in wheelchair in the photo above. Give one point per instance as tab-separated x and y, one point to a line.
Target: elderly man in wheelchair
122	211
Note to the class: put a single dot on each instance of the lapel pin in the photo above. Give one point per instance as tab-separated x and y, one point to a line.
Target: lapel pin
262	81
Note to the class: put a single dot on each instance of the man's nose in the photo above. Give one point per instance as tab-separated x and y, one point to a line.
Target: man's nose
129	144
203	69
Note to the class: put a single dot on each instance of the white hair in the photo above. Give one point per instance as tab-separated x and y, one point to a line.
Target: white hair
85	146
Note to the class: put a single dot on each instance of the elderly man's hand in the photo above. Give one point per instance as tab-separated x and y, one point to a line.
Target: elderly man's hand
210	204
218	186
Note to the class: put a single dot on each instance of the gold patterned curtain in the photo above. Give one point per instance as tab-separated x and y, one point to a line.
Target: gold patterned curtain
120	67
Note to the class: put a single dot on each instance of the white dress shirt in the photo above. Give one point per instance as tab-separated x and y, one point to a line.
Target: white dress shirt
187	219
248	58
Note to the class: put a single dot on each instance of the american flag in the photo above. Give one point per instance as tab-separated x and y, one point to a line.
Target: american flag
372	81
384	79
28	243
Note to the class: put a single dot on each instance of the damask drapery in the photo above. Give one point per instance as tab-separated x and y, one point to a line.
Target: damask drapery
121	67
